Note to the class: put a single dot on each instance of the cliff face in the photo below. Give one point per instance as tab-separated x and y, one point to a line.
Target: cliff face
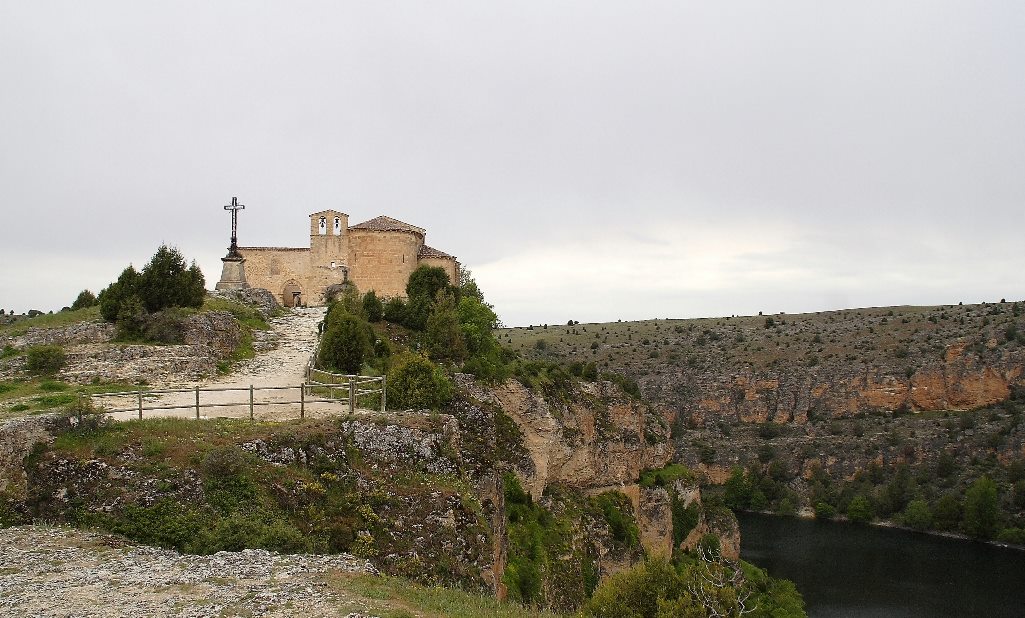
579	448
961	380
596	439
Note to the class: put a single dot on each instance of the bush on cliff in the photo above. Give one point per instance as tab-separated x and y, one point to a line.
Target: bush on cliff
415	382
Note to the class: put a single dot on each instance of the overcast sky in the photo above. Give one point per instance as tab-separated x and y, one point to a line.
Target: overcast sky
586	160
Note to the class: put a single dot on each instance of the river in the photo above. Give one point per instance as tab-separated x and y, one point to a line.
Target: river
856	571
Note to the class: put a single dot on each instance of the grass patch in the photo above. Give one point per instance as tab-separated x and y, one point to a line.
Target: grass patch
666	476
47	402
245	314
53	320
393	597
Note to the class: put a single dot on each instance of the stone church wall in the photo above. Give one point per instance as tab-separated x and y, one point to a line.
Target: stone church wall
382	261
449	266
273	268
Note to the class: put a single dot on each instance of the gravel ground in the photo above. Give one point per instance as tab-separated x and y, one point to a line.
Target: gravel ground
58	572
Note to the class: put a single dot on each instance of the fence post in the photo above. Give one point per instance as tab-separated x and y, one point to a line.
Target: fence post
384	393
197	403
139	393
250	402
352	394
302	401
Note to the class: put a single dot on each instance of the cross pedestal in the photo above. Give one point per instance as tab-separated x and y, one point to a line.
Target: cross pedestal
233	271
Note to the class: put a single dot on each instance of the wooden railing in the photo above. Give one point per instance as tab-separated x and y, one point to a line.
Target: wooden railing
309	392
355	386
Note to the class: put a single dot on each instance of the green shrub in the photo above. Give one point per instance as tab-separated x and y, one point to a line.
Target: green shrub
346	344
664	477
85	299
981	511
860	510
395	310
824	510
131	319
416	382
166	281
45	359
617	511
444	337
917	515
52	386
167	326
373	307
111	297
685	518
426	282
737	490
224	462
947	512
1015	536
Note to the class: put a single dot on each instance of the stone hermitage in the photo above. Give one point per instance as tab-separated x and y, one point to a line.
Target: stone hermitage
377	255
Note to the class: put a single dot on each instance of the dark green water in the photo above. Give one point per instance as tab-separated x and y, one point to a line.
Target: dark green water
858	571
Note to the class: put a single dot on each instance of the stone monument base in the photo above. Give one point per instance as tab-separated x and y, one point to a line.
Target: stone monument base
233	274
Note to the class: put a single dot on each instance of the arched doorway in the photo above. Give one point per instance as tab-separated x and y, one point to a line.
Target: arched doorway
292	294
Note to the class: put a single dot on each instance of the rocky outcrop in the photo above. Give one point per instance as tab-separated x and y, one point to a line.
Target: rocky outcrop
216	331
18	439
260	298
75	334
208	338
719	522
598	438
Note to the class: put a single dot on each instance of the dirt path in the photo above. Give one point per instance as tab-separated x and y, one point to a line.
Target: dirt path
283	367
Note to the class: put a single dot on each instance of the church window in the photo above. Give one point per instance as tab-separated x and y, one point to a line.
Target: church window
332	264
323	226
338	226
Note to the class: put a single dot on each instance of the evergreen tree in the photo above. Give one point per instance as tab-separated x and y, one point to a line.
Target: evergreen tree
166	281
85	299
345	344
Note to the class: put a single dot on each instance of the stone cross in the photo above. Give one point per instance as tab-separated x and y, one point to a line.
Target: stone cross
234	207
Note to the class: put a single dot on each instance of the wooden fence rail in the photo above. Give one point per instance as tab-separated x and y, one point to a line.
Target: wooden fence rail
309	392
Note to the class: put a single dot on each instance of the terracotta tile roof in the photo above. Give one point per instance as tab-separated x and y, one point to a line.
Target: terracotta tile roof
387	224
431	252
